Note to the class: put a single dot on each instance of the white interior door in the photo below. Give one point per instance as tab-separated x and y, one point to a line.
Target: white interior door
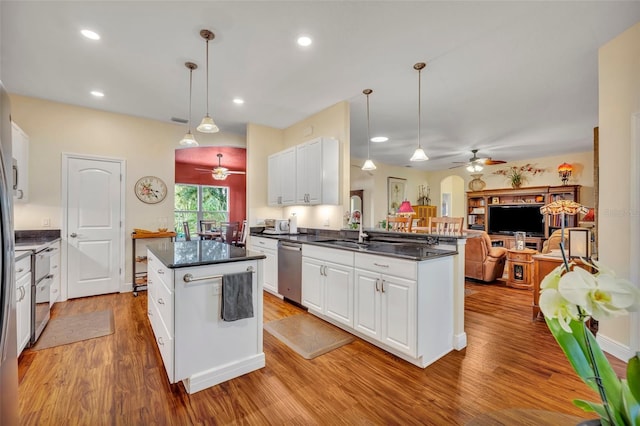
94	195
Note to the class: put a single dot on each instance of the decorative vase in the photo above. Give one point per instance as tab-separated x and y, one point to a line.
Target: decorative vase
516	184
477	184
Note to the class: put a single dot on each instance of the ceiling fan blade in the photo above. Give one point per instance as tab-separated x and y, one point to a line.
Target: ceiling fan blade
204	170
490	162
235	172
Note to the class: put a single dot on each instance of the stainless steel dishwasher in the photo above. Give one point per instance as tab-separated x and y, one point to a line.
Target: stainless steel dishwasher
290	270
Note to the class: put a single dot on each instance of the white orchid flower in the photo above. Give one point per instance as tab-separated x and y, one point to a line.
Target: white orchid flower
552	278
601	296
553	305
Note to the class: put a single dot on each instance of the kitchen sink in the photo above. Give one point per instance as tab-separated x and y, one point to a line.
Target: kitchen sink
346	243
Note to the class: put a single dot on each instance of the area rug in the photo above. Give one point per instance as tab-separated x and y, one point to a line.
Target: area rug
307	335
64	330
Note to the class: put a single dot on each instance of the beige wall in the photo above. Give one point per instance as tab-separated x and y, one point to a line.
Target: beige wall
619	94
147	146
374	184
262	141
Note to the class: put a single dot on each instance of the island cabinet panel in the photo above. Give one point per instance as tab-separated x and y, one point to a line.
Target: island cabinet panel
268	247
197	346
327	283
398	313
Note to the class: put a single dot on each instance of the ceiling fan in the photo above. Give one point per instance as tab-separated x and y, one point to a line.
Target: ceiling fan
476	163
221	173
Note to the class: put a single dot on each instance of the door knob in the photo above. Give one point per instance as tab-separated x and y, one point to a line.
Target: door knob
73	235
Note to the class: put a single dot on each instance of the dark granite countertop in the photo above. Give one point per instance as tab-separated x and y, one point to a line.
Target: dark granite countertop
409	249
35	239
182	254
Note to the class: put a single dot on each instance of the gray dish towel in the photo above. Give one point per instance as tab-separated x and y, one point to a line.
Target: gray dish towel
237	296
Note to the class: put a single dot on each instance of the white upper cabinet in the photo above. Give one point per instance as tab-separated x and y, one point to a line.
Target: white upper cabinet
317	172
306	174
20	173
281	186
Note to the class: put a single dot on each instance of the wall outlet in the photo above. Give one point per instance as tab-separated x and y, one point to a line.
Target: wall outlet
326	222
46	222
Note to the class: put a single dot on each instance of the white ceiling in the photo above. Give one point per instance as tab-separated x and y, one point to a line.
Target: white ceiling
515	80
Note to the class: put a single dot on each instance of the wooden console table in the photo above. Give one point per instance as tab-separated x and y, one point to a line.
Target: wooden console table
139	278
542	266
520	264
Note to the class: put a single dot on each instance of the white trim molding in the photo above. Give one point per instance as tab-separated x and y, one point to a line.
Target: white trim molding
634	226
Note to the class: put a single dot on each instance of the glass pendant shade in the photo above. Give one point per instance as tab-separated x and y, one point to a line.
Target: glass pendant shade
188	140
419	155
207	125
474	168
368	165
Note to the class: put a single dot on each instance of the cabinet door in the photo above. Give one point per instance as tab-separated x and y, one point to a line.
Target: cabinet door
312	284
339	293
54	270
20	152
303	173
399	314
274	192
288	176
270	270
23	311
367	303
313	172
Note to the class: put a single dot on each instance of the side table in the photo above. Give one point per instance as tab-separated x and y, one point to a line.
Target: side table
520	271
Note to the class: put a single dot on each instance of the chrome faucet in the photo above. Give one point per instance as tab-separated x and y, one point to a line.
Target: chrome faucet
361	234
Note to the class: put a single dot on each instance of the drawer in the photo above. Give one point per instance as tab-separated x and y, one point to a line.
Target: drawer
261	242
23	267
385	265
164	341
162	273
342	257
519	257
164	300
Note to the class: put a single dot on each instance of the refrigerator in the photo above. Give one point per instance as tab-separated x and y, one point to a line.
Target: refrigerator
8	338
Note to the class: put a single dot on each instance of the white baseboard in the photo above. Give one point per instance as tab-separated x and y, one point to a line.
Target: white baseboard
614	348
206	379
460	341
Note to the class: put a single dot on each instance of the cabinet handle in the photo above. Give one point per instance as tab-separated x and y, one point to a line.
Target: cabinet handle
22	293
54	267
382	285
160	341
19	270
161	271
20	194
377	279
381	265
150	313
15	179
261	242
160	301
55	290
73	235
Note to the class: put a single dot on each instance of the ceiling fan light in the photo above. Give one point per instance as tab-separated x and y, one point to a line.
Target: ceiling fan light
368	165
207	125
189	140
474	168
419	155
219	175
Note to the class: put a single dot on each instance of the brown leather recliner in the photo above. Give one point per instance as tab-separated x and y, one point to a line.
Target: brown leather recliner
482	261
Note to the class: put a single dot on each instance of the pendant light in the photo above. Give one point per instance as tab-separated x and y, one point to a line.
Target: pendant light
207	125
189	140
368	165
419	154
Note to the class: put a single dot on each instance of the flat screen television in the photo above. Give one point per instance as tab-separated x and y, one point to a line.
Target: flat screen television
507	219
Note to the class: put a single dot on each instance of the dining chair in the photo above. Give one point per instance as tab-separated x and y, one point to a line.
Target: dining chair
208	229
446	225
242	234
399	223
229	232
187	234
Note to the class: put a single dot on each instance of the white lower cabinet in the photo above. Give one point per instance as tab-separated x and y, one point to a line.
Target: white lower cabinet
385	309
268	247
54	271
327	282
23	302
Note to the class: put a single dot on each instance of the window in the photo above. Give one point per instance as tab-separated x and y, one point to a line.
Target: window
194	203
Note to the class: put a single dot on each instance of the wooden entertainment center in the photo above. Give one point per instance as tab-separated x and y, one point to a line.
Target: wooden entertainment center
478	203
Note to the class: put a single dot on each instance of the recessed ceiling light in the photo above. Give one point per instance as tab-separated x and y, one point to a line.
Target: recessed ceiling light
97	93
304	41
90	34
379	139
238	101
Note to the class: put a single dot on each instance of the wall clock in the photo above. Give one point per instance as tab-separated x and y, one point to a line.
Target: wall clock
150	189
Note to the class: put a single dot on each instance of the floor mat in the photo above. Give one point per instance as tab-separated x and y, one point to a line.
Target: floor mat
70	329
308	336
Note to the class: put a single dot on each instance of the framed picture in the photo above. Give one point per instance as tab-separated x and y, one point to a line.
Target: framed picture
396	188
495	200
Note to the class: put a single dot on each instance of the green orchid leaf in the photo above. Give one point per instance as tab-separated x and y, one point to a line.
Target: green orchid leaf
573	351
633	376
588	406
631	406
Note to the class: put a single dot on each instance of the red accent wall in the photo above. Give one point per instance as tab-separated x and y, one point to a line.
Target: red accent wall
233	159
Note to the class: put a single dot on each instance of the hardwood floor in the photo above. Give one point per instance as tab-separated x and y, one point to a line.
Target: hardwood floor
510	362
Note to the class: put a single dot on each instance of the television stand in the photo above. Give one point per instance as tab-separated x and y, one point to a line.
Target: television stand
509	242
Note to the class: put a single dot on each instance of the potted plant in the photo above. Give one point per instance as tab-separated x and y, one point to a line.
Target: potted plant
517	175
568	298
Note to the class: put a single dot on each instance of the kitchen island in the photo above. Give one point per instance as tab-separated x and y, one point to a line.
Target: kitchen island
189	283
